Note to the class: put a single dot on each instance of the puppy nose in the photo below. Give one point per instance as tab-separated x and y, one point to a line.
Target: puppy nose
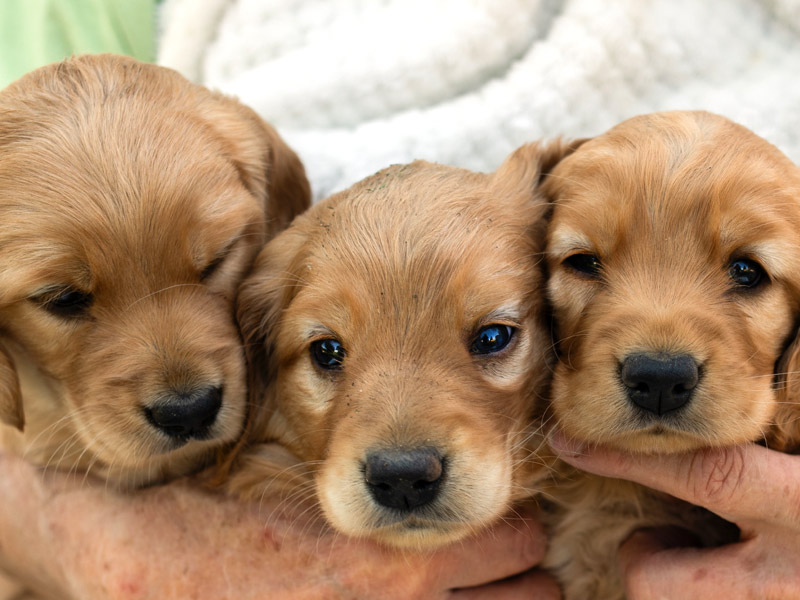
404	479
659	383
187	415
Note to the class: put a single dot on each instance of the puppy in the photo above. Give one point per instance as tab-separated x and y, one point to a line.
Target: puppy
132	203
671	254
398	336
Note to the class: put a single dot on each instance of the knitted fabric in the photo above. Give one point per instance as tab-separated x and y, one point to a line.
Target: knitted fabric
355	85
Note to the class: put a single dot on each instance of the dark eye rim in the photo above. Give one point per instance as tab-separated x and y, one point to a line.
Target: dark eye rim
337	366
574	262
217	261
57	302
513	334
212	267
761	280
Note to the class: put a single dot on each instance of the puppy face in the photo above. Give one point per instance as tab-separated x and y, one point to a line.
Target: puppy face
401	320
671	253
132	203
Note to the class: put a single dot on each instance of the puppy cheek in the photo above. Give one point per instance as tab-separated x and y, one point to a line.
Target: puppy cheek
586	395
343	496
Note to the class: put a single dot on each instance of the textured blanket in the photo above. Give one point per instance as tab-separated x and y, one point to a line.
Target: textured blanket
355	85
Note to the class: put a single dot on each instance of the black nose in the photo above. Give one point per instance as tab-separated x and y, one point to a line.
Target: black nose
659	383
404	479
186	415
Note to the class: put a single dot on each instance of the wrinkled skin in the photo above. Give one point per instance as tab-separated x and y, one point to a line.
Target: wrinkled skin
179	542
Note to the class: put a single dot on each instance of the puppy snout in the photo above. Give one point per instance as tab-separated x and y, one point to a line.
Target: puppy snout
187	415
404	479
659	383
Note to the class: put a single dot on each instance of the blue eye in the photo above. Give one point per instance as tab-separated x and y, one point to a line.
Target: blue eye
328	354
746	273
491	339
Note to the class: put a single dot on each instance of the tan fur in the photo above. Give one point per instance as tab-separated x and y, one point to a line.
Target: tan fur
123	180
666	202
403	269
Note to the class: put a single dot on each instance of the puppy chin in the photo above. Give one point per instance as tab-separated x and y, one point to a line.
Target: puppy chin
454	515
420	535
405	532
656	440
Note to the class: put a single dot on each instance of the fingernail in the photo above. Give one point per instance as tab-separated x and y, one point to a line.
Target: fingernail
566	447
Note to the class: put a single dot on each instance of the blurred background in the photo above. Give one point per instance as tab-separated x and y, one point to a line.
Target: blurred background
355	85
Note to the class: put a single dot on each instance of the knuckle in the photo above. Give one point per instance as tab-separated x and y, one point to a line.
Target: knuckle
716	476
638	579
530	543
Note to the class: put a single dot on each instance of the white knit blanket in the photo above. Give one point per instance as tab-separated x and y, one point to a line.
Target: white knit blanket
355	85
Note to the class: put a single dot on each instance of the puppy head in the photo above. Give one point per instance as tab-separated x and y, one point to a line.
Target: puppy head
671	257
403	346
132	204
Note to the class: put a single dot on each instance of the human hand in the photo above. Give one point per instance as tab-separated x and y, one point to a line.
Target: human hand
71	538
756	488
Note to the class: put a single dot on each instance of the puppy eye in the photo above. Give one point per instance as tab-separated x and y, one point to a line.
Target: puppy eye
69	303
492	339
212	267
587	264
218	259
328	354
746	273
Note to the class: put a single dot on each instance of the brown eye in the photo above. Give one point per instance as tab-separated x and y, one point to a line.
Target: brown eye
588	264
746	273
212	267
69	303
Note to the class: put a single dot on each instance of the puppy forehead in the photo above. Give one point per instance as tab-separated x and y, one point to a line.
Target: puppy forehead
432	244
713	182
95	204
65	220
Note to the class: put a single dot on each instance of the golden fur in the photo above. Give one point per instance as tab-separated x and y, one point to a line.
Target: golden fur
132	203
403	269
667	204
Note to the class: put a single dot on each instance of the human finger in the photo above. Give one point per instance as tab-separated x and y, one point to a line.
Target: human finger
652	568
510	547
534	585
731	481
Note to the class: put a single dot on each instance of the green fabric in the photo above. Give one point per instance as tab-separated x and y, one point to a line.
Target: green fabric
37	32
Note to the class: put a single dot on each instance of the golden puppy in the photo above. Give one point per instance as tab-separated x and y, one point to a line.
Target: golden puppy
398	331
672	258
132	202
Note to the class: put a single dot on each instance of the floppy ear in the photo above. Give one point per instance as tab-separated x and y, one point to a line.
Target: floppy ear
261	300
785	432
530	164
11	412
522	176
267	470
266	293
288	190
269	168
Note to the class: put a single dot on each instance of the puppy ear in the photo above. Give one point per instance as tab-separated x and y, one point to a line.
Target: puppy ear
528	165
264	296
288	190
261	300
11	412
269	168
267	469
785	432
